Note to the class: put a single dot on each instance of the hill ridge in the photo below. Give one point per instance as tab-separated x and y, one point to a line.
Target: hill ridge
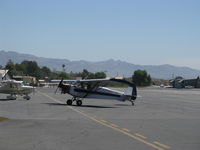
111	67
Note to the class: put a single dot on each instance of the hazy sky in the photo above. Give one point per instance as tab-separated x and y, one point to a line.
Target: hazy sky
150	32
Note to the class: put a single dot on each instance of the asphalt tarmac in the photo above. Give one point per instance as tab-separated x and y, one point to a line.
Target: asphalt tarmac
161	119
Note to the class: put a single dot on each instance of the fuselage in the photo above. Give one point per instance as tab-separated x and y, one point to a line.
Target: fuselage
100	93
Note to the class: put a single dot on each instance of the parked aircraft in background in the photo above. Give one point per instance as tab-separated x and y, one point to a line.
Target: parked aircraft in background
95	88
15	88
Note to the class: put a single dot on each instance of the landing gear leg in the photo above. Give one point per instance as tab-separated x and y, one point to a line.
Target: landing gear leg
70	101
78	101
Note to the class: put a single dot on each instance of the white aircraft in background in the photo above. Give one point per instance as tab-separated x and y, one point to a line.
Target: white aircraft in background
94	88
15	88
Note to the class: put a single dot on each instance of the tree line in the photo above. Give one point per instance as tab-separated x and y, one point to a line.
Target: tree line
31	68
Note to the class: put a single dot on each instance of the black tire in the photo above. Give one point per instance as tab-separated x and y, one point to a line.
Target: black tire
78	102
69	102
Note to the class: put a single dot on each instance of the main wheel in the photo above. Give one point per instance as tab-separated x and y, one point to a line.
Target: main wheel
27	97
69	102
78	102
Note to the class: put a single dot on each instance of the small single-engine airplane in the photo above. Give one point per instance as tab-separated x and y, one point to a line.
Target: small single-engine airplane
15	88
95	88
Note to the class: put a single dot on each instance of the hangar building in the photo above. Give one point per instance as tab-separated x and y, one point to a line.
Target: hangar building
180	82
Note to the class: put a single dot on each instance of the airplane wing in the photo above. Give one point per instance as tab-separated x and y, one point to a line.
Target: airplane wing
104	81
68	81
93	84
80	81
12	82
76	82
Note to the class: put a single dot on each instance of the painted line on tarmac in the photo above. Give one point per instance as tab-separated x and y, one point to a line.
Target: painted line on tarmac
140	135
126	130
52	98
104	123
162	145
114	125
119	130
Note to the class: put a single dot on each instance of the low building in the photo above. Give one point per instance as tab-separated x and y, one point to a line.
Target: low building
26	79
180	82
198	82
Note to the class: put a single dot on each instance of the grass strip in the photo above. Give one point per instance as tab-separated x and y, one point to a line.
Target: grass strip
3	119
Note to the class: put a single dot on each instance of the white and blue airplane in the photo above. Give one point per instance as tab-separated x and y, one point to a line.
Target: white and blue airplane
95	88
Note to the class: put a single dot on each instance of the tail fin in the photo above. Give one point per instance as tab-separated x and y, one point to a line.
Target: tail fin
131	91
134	92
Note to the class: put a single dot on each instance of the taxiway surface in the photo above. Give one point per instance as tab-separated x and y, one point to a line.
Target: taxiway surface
161	119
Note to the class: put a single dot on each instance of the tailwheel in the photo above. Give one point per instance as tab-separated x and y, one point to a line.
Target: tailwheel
133	103
69	102
78	102
28	98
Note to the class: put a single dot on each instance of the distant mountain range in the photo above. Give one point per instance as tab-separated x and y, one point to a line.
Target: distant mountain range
111	67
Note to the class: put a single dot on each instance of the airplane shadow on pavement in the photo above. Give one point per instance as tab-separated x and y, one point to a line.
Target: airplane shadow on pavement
122	104
86	106
4	99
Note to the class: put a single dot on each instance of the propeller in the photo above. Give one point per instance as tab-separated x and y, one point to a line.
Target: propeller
60	83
